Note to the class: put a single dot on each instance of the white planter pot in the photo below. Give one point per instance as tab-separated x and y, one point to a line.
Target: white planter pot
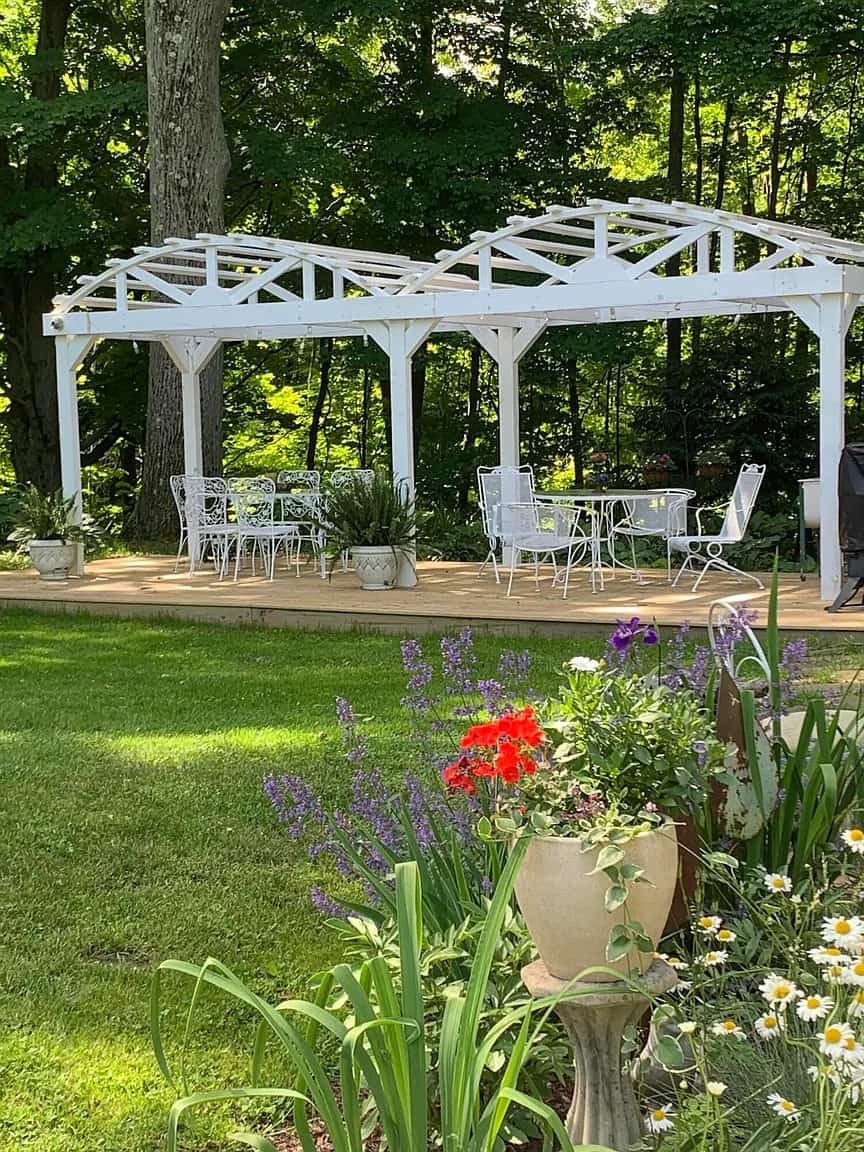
377	568
564	907
51	558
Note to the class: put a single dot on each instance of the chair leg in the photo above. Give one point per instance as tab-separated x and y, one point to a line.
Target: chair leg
725	566
685	564
512	570
567	571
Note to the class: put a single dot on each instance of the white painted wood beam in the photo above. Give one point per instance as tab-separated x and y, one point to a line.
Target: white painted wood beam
832	381
69	352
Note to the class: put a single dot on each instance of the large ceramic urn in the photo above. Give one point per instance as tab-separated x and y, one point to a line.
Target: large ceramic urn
564	905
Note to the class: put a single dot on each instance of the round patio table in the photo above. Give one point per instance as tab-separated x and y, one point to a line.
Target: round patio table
602	502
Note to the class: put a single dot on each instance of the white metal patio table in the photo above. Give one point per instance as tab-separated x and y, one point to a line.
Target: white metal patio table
602	502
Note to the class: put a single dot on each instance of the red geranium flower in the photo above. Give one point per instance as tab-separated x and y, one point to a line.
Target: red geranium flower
510	740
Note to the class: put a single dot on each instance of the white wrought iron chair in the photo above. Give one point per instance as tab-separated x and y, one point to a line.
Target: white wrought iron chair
652	514
495	487
253	500
544	528
299	495
341	478
706	548
178	491
726	631
206	514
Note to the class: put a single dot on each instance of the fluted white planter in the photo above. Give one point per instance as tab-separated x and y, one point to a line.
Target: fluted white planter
377	568
564	908
52	558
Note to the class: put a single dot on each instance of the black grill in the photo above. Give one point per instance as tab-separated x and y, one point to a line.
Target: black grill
851	488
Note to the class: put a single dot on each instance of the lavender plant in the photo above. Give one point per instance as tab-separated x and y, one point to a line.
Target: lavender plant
415	818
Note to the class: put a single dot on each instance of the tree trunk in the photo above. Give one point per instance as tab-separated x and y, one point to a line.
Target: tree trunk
325	352
27	291
675	184
575	415
188	166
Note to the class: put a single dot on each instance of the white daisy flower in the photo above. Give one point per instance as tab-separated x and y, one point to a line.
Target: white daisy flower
782	1106
856	1006
673	961
828	954
844	931
683	986
796	898
713	959
778	882
833	1040
583	664
710	925
728	1028
854	840
829	1071
687	1027
769	1026
853	1052
725	936
854	974
715	1087
834	974
779	990
814	1007
660	1119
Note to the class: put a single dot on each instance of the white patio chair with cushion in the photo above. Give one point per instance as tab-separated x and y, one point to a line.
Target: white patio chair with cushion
253	500
207	524
706	548
661	514
544	528
497	486
299	496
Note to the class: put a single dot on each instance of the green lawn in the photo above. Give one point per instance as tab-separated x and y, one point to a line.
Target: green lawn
133	828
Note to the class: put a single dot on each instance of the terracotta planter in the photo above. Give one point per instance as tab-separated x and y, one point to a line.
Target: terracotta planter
657	477
377	568
710	471
564	907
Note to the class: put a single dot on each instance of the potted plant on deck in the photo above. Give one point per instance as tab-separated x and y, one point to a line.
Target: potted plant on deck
712	464
373	519
657	470
597	779
46	528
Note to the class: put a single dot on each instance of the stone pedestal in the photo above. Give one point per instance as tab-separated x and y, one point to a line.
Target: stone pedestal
604	1109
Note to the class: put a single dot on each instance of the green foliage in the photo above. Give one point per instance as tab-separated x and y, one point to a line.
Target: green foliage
363	513
382	1044
51	517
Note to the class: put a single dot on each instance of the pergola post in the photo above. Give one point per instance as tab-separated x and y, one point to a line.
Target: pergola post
508	400
400	341
69	352
832	392
190	356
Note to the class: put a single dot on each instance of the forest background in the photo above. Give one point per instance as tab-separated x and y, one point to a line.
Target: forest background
404	125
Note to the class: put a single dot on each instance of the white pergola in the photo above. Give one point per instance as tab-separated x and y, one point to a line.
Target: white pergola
597	264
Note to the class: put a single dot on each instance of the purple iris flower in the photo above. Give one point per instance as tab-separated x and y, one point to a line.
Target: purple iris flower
628	631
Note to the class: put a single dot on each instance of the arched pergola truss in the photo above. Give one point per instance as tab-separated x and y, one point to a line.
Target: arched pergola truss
603	262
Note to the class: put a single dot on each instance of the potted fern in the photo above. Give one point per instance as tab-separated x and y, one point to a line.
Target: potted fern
46	528
373	519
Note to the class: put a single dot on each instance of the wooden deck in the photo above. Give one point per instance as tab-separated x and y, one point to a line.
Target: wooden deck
446	596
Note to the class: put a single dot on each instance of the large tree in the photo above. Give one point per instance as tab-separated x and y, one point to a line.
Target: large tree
189	165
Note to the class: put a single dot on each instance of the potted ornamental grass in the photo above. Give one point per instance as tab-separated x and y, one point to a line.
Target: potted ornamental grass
598	780
372	519
45	527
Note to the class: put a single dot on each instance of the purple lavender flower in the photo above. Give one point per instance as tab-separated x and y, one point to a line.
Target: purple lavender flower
492	693
295	804
458	662
325	903
514	668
